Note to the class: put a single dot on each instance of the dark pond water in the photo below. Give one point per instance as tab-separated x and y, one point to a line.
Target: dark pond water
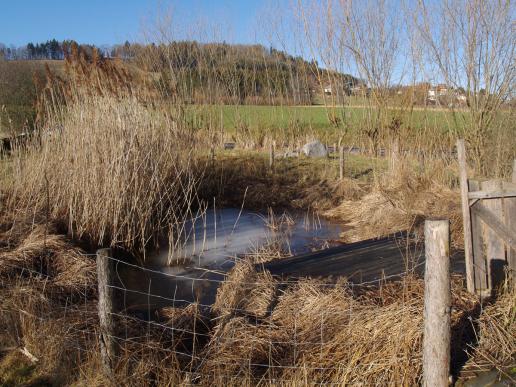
191	268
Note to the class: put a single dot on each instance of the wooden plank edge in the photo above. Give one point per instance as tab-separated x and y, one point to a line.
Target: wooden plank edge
492	194
489	218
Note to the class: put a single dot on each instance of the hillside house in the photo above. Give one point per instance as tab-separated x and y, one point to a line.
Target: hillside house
435	92
443	92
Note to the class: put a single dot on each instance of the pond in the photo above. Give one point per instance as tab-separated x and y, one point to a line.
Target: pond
191	268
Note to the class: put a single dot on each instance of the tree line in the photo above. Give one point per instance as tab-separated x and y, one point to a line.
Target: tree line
233	74
49	50
198	72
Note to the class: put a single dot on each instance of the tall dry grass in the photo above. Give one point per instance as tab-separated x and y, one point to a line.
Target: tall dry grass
496	332
400	200
110	166
311	332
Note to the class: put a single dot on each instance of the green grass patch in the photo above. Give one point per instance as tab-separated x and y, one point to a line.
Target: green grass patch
302	120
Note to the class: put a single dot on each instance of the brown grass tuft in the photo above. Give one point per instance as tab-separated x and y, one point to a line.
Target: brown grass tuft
52	255
245	290
399	205
496	334
319	333
239	348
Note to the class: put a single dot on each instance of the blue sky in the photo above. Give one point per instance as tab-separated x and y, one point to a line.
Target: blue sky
107	22
114	21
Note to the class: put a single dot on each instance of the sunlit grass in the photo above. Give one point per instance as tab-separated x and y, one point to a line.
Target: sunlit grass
316	118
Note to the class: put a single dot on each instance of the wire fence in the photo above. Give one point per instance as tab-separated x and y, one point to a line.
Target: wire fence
246	331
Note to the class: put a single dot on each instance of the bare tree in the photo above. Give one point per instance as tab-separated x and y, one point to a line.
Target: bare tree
373	38
364	38
471	43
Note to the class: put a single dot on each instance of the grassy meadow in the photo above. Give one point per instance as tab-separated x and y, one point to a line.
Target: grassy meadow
275	120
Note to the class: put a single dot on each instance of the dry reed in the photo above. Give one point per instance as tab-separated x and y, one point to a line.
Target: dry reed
108	165
496	333
245	290
401	203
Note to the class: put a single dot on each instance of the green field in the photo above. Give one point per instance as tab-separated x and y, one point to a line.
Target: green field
18	94
315	119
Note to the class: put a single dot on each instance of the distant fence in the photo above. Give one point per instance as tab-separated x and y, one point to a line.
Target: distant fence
394	155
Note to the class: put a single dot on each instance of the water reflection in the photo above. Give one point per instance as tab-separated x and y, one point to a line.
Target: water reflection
191	268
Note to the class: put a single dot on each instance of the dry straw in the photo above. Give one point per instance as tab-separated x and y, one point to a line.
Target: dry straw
399	203
325	334
43	250
110	168
496	333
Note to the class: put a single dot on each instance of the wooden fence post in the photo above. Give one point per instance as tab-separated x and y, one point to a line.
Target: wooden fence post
510	221
421	161
271	155
341	163
466	219
212	153
395	156
495	248
478	254
106	308
436	338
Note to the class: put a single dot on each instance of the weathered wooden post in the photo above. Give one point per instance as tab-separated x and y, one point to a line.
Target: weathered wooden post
341	163
510	221
395	156
271	155
421	161
106	308
479	260
494	245
212	153
436	337
466	219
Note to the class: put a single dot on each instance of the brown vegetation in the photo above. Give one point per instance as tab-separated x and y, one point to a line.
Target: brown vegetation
323	333
105	166
401	203
260	330
120	159
496	330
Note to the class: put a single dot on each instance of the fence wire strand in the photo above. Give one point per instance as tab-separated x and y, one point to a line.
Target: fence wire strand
155	333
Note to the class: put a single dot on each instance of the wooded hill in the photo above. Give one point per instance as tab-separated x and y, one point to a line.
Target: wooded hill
205	72
235	74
